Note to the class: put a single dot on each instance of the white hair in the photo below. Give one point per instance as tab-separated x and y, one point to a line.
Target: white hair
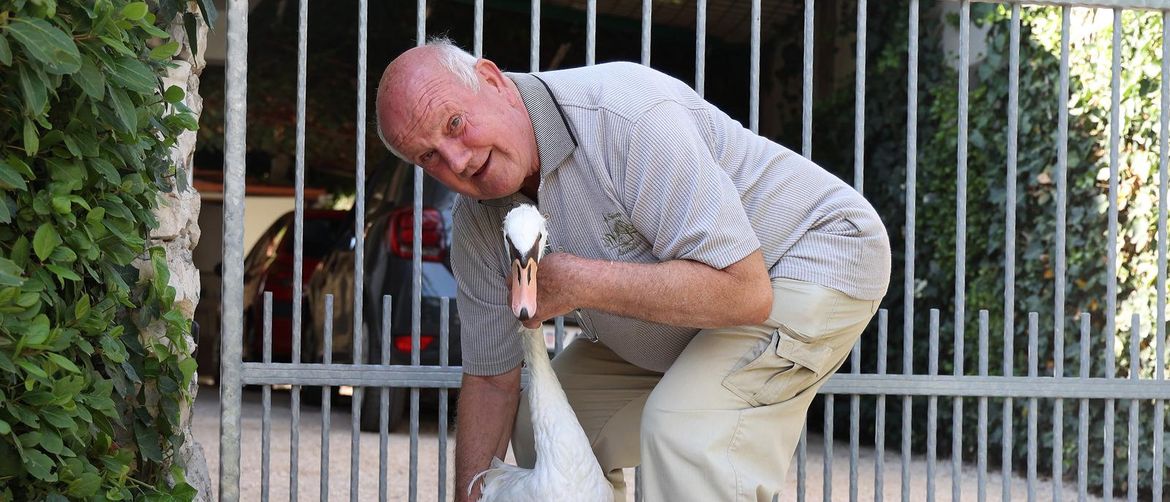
458	62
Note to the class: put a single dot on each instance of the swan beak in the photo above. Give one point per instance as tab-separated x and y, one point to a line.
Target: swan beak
523	282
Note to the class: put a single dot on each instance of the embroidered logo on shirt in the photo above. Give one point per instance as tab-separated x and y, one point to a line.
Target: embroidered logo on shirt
622	237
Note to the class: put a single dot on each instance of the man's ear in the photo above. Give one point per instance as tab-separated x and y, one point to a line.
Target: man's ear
490	75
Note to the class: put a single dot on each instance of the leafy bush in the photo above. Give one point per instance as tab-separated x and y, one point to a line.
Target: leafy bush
89	404
1087	209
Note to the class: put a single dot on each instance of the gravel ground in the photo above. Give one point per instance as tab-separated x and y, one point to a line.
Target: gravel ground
206	431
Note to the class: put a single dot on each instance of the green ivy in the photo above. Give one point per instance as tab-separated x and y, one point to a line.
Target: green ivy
89	404
1087	203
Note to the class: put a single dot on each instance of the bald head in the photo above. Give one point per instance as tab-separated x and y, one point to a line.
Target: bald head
459	118
439	59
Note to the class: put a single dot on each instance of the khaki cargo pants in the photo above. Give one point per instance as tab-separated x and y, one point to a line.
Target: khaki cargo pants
723	422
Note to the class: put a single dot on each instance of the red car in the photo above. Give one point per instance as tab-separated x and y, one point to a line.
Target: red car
269	267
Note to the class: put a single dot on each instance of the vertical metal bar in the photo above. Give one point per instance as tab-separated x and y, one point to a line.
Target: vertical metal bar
638	495
961	238
932	409
802	464
534	45
298	243
384	404
1160	341
807	85
559	335
1083	418
859	101
910	227
1058	417
646	32
1135	362
879	440
326	398
1114	138
477	43
415	329
854	424
1009	270
266	404
754	72
359	229
444	349
957	426
981	446
700	44
231	344
591	32
1110	410
1033	362
1009	353
420	22
827	464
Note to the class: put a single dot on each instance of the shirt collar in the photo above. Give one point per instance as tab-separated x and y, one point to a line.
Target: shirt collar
554	140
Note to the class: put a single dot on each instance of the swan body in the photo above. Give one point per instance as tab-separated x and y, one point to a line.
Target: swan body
566	469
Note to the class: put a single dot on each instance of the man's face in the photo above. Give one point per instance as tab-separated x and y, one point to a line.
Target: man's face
479	144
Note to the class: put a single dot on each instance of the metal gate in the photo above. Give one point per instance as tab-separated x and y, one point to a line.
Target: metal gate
980	386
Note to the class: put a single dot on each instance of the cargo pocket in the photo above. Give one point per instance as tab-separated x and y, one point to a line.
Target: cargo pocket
791	363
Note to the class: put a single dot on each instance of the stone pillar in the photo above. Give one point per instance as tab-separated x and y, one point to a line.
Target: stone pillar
178	233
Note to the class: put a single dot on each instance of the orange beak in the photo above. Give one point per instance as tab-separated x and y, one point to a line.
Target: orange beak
523	280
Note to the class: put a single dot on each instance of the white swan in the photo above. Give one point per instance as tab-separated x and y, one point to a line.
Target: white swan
565	470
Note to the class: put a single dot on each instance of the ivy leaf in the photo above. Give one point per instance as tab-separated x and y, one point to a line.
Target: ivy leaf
133	74
32	142
5	52
38	332
134	11
173	94
5	213
209	12
191	27
45	240
86	485
39	465
113	350
11	274
90	79
165	51
35	92
148	442
47	44
124	110
5	428
32	369
10	179
107	170
64	363
62	272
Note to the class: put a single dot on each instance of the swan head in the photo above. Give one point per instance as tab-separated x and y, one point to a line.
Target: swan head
525	236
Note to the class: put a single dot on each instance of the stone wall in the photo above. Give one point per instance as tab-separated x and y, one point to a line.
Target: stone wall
178	234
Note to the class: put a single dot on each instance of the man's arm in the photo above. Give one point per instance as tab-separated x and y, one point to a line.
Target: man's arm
486	412
675	292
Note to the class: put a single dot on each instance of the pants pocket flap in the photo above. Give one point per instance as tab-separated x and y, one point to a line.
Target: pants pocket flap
814	356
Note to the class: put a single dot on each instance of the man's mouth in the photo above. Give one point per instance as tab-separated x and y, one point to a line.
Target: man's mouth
483	168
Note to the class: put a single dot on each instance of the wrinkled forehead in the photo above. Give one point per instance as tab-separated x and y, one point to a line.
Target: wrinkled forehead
410	105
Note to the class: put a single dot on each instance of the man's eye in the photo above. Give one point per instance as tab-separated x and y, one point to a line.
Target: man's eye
426	157
456	121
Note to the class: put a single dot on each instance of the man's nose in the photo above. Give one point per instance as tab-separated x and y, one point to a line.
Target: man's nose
457	157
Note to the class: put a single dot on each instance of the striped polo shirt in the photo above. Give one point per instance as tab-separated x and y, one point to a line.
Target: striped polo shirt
636	167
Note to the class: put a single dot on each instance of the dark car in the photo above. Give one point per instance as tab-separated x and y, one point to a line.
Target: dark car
269	267
389	240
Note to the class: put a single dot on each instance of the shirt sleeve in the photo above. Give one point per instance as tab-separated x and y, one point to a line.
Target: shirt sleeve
487	327
678	198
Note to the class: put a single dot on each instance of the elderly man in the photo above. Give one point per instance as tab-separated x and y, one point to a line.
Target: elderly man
720	277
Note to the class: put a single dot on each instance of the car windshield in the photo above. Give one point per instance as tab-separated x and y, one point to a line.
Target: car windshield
320	235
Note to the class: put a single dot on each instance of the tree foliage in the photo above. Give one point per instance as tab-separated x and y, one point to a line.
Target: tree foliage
89	403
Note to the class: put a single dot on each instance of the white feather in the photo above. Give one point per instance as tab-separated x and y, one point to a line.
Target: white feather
566	469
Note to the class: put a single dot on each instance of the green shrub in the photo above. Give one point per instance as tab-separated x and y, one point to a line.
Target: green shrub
89	405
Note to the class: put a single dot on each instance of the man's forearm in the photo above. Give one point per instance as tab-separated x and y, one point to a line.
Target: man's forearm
485	414
677	292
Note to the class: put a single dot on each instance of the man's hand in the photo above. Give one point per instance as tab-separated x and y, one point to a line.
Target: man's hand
554	287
